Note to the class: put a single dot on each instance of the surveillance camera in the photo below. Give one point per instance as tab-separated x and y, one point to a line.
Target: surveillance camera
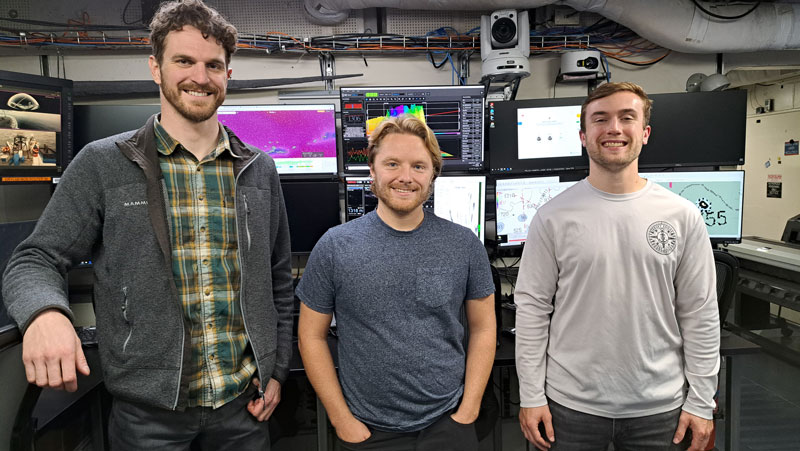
505	45
504	29
580	62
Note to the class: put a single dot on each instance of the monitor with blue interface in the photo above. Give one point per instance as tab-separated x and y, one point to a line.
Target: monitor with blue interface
454	113
517	201
300	138
717	194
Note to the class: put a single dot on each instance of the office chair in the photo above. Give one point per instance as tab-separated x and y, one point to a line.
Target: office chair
727	267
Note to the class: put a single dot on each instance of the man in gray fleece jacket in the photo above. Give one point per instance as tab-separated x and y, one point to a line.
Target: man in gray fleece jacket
189	239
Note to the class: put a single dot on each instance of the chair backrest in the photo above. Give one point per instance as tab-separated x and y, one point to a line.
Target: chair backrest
727	277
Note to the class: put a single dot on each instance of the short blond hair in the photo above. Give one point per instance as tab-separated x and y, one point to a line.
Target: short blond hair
409	125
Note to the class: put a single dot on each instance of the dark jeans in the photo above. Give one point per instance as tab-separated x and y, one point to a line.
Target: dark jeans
578	431
134	426
443	435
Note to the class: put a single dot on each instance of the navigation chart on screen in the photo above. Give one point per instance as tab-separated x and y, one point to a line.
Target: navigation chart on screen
718	196
517	203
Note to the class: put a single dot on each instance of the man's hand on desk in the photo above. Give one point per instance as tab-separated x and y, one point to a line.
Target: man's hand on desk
51	352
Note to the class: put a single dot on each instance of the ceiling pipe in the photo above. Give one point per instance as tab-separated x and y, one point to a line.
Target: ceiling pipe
674	24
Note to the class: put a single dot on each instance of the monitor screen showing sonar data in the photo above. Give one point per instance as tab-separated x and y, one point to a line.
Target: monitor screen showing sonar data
717	194
454	113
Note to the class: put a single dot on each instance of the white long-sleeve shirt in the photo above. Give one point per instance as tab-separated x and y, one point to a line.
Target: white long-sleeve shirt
616	305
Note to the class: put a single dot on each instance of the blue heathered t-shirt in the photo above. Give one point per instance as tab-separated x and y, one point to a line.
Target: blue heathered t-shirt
397	297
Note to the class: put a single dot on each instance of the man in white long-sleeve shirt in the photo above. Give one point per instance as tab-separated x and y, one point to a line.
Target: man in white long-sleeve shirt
616	306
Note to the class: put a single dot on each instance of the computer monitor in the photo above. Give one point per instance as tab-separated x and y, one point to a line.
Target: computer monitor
300	138
359	198
533	136
687	129
35	127
462	199
312	208
517	201
717	194
93	122
454	113
696	129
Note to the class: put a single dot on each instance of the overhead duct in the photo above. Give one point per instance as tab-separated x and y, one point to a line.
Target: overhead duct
673	24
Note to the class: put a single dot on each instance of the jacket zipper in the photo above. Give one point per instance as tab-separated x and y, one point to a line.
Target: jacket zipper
161	187
125	316
262	383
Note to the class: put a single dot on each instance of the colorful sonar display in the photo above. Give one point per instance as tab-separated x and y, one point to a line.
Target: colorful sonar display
717	194
413	110
300	138
454	113
517	202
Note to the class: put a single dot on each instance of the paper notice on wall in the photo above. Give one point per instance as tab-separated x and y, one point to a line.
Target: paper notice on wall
774	177
791	147
774	189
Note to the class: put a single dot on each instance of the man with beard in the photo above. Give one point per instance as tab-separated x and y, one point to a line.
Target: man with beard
616	301
188	234
397	280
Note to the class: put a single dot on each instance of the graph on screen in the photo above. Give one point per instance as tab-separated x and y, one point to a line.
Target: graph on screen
461	200
517	202
454	113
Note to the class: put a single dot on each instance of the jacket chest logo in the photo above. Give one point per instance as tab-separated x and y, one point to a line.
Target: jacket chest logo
134	203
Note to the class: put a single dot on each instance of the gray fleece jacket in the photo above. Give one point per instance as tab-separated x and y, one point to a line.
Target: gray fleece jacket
111	204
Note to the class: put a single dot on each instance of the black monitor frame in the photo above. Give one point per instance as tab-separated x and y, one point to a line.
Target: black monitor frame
312	208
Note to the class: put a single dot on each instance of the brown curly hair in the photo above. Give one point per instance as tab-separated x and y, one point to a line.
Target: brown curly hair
173	16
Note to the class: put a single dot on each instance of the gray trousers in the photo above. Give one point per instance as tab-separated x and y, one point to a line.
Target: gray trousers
134	426
443	435
581	431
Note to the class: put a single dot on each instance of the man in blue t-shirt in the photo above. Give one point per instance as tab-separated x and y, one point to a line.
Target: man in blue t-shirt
397	280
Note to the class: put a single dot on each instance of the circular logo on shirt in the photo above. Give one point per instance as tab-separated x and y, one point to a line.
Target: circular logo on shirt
662	237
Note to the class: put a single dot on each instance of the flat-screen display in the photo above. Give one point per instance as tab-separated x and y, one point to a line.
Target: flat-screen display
300	138
692	129
718	195
35	126
696	129
312	209
93	122
462	199
517	200
454	113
